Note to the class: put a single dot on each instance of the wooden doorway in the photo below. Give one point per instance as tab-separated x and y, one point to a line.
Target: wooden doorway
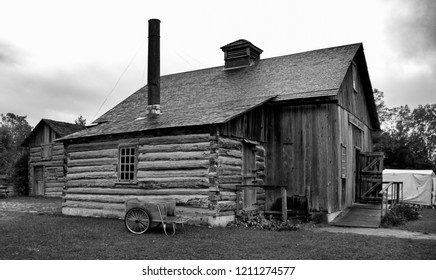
248	174
370	177
38	180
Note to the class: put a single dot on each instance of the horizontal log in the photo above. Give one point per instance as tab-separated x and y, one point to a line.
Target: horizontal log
173	165
117	213
108	153
90	183
185	200
175	182
195	212
223	206
52	190
59	183
230	179
260	166
175	139
53	194
174	156
260	151
128	191
47	163
92	175
36	149
172	173
112	144
81	169
260	159
226	195
228	186
92	162
203	146
229	161
93	205
230	153
229	143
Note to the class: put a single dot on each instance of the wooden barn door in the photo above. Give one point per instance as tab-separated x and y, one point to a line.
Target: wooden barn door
370	177
248	174
38	180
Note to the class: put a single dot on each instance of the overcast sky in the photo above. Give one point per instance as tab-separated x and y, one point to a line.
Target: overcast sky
61	59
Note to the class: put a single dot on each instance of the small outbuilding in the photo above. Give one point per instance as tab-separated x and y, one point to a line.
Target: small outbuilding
47	160
418	185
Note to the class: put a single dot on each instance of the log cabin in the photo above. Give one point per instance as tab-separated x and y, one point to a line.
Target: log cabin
298	121
47	159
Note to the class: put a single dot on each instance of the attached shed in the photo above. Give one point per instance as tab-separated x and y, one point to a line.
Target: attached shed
47	161
300	121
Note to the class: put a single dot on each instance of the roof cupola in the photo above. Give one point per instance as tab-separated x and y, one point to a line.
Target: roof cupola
240	54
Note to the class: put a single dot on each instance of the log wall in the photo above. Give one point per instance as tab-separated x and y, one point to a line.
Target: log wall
53	169
168	168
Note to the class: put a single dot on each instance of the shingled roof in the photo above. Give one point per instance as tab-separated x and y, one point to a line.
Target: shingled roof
213	96
61	128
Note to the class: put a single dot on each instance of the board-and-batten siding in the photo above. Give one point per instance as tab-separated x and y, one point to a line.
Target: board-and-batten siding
53	169
168	168
302	153
355	132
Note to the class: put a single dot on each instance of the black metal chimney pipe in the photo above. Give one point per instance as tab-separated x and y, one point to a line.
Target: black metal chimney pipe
153	75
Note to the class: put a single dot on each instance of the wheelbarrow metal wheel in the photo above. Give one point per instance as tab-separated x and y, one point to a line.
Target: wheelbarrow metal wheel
137	220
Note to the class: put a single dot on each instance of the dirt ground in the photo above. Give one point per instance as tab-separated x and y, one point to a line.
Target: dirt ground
49	205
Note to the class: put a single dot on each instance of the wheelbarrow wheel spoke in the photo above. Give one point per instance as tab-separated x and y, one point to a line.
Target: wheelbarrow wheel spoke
137	220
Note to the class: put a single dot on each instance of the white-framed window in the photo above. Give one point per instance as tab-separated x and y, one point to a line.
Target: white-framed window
127	162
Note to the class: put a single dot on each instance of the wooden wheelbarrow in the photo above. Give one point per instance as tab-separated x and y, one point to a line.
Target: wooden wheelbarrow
142	215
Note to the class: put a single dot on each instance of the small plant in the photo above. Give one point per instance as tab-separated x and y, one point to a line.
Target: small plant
254	219
399	214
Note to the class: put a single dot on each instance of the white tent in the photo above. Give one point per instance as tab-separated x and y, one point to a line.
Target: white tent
418	185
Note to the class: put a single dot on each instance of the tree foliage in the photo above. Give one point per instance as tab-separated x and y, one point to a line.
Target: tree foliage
13	158
408	137
80	121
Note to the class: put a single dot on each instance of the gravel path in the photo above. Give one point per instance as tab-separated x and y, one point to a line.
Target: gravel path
383	232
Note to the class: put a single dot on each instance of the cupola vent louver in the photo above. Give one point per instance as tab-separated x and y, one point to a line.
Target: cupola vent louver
240	54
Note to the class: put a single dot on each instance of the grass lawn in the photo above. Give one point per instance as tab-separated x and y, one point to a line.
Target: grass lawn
45	236
426	224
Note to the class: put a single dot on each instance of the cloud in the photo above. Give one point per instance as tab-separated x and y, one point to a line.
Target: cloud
60	94
412	28
8	54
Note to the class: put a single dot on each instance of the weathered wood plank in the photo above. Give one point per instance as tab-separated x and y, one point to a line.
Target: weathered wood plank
92	175
128	191
81	169
189	147
229	161
92	162
174	156
172	173
175	139
108	153
90	183
173	165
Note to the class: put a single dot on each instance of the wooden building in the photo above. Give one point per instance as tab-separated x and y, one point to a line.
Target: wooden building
299	121
47	161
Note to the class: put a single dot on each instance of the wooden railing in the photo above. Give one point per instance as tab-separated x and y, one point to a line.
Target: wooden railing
392	194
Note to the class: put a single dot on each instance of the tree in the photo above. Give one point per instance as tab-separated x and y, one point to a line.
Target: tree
13	158
81	121
408	137
5	150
